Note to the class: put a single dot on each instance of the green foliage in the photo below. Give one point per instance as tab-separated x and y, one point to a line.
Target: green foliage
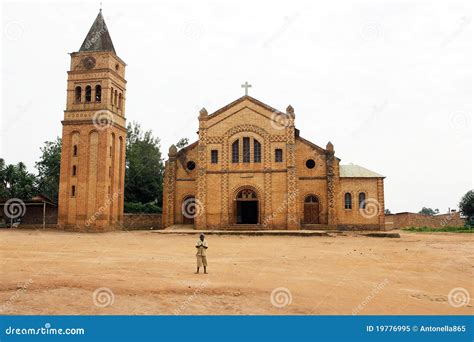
16	181
428	211
147	208
182	143
144	167
466	205
48	169
465	229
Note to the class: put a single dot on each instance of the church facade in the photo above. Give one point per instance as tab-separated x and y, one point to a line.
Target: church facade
250	168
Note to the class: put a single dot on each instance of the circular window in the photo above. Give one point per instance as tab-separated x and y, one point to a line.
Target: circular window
310	164
191	165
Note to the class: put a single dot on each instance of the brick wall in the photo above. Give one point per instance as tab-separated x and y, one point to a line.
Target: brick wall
405	220
33	215
142	221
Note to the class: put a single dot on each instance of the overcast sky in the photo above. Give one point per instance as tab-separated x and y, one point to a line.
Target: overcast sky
389	83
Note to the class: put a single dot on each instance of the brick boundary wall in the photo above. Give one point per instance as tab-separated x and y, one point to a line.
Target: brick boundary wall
142	221
406	220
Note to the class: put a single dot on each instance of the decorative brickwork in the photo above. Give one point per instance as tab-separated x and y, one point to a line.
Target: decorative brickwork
92	173
249	127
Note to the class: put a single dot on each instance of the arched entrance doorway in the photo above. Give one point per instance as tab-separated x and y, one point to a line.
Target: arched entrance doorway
311	209
188	209
246	207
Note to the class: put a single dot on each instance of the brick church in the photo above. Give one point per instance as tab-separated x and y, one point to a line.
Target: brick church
249	168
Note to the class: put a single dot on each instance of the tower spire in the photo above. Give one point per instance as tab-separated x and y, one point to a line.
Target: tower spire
98	38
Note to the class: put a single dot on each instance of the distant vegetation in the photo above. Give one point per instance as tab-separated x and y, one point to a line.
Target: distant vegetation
428	211
465	229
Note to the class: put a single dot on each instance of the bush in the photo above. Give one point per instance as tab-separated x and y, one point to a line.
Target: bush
465	229
137	207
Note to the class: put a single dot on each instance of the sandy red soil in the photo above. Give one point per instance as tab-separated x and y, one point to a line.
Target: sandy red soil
49	272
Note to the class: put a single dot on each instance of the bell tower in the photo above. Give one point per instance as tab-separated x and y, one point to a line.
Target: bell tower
92	171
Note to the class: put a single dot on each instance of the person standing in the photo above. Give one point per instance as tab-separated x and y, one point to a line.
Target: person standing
201	247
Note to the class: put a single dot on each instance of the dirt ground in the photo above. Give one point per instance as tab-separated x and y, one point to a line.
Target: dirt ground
50	272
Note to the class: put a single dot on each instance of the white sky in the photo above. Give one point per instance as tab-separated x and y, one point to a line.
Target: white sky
388	82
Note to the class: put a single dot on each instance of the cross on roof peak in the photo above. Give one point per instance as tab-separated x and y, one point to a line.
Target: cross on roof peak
246	85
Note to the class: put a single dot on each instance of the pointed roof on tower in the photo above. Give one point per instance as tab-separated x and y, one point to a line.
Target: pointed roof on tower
98	38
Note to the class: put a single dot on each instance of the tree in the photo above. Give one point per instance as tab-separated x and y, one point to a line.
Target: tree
16	181
182	143
428	211
144	167
466	205
48	169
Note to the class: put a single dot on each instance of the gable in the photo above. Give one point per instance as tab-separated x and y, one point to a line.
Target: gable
249	111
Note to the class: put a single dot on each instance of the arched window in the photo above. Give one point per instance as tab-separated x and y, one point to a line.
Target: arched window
120	101
257	151
247	194
235	151
98	93
78	94
88	94
115	97
74	170
347	201
74	150
73	191
362	200
246	150
111	95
